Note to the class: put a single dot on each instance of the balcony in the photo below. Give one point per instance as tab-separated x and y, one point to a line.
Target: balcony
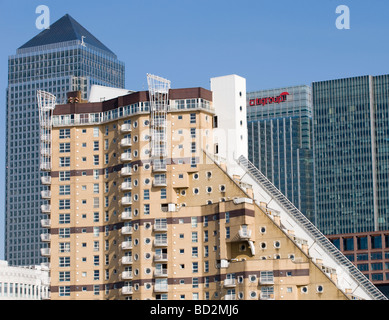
45	223
126	127
46	180
126	201
126	245
46	137
126	260
160	227
126	186
45	266
160	257
45	194
244	234
125	172
45	237
231	296
159	166
159	181
160	273
45	252
127	290
126	157
125	142
158	288
229	283
45	166
126	230
45	208
126	216
127	275
45	152
160	242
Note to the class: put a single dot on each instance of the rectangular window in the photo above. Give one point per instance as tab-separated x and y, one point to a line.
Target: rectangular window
64	133
95	146
64	276
96	217
192	118
64	291
64	190
64	247
194	222
193	147
193	133
64	204
64	233
64	218
163	193
64	147
96	203
96	132
64	161
96	160
195	252
64	262
195	267
95	188
64	176
194	236
146	194
96	174
227	232
146	209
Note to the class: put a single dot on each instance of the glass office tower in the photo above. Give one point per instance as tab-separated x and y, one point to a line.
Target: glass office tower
279	123
64	58
351	151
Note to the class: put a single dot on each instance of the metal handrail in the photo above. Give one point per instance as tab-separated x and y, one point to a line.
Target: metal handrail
311	229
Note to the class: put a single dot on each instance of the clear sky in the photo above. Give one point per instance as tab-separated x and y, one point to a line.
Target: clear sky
270	43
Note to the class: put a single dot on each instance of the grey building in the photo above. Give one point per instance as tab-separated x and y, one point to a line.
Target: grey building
279	123
64	58
351	152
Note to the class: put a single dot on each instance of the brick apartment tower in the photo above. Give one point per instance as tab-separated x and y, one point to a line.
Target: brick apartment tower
125	225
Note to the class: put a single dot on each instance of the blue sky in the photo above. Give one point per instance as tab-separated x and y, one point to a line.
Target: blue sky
270	43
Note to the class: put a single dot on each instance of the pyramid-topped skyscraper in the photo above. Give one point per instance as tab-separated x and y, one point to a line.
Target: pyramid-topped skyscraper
66	57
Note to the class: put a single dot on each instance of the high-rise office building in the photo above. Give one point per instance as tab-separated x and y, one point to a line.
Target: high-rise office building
150	196
351	151
64	58
279	123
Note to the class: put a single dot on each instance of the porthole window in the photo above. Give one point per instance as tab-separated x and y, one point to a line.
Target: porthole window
240	295
291	257
146	166
148	286
196	190
304	289
319	288
147	270
135	167
146	123
209	174
252	278
135	138
147	241
135	153
136	242
262	230
136	197
209	189
183	192
242	247
277	257
136	212
136	285
196	176
253	294
222	188
136	257
277	244
147	255
263	245
135	182
147	225
147	181
135	124
209	201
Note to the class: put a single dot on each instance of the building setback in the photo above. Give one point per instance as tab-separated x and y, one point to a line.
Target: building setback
279	123
64	58
140	206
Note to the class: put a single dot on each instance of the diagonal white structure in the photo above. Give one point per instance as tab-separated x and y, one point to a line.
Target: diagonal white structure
159	97
46	104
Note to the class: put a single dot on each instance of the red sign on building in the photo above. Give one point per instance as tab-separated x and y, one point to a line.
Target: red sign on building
264	101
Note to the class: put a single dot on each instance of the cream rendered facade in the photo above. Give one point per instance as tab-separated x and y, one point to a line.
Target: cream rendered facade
189	229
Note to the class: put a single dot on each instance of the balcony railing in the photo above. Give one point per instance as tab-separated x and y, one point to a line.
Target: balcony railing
229	283
127	290
127	275
125	157
126	186
126	216
126	230
160	226
45	166
160	257
231	296
126	201
45	252
125	171
159	166
45	194
126	127
125	142
244	234
45	208
160	273
160	182
126	245
126	260
46	180
160	242
158	288
45	223
45	237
